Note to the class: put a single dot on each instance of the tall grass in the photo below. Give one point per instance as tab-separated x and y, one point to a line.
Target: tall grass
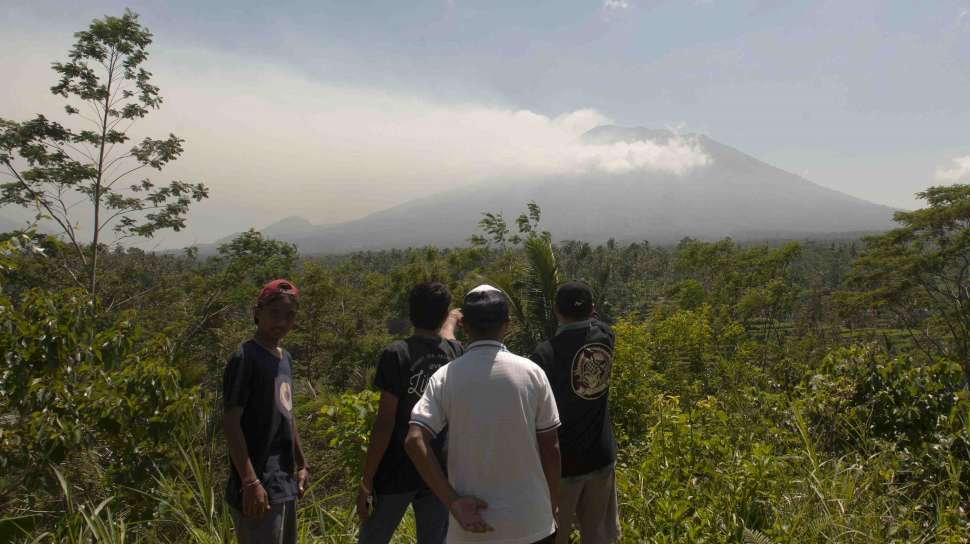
190	510
84	523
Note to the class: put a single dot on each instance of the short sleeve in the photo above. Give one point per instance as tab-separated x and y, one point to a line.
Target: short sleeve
236	380
547	413
429	411
388	377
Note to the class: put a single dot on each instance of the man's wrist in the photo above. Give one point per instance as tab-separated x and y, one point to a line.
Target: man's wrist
451	497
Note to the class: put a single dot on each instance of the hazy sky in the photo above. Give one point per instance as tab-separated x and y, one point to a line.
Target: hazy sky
332	110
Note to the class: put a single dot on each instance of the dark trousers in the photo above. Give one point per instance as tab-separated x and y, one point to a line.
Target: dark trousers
278	526
430	516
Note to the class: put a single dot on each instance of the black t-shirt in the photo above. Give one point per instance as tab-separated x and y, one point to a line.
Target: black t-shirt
578	362
262	385
403	370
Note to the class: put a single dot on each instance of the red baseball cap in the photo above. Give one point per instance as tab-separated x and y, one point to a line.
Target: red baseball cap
276	287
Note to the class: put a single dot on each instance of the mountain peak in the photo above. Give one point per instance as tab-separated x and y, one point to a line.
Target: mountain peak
291	221
288	227
734	195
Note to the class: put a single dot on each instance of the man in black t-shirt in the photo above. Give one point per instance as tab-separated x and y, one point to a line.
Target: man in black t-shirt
268	471
390	482
578	361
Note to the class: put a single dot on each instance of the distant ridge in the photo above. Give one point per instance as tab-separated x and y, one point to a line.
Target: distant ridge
734	195
285	229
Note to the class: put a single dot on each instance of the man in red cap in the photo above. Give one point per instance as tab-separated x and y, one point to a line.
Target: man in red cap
268	471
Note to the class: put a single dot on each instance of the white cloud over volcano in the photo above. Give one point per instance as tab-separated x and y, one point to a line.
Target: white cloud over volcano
271	142
367	149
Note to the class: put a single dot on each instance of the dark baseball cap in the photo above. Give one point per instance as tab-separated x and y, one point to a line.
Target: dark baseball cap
574	299
485	307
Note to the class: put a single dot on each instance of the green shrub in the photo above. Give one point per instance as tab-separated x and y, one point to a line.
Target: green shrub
345	422
695	477
76	386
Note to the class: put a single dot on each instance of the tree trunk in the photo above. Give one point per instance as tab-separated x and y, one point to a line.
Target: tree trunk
97	184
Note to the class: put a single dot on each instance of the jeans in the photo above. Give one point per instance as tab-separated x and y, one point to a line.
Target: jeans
430	515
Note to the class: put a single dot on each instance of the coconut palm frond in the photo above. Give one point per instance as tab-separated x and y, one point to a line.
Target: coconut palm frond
542	279
752	536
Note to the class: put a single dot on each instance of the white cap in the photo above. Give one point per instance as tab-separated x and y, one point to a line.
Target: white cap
483	288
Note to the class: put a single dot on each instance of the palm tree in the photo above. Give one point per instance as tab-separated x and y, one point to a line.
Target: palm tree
530	286
542	280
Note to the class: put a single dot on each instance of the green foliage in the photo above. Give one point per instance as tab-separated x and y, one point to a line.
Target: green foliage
542	280
861	392
189	509
755	284
74	385
676	354
340	334
10	248
496	231
696	477
85	522
745	409
345	423
683	338
529	280
256	260
864	398
189	501
633	378
918	274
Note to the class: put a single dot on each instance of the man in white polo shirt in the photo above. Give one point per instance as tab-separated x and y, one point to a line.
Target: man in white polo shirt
503	451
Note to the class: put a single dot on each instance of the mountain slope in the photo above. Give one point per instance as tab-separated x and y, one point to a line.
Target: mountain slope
734	195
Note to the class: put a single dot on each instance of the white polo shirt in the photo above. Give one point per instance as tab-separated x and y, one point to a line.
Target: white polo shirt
493	403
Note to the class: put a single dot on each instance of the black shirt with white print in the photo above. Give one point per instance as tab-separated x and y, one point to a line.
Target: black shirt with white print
578	361
403	370
262	385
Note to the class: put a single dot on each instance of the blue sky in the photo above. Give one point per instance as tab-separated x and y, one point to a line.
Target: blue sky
866	97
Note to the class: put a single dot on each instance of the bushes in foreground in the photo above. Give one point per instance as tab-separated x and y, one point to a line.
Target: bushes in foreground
699	462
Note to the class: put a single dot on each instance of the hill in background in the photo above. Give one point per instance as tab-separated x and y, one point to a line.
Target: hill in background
735	195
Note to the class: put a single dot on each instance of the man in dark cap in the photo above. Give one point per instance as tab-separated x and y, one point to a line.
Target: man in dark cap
503	449
578	361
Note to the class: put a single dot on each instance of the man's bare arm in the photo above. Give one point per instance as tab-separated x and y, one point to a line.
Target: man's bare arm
255	501
236	441
302	469
551	465
466	510
418	447
298	449
447	330
380	438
